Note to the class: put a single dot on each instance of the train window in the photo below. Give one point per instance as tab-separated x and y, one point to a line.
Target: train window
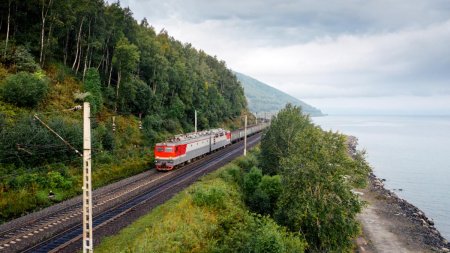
169	149
160	149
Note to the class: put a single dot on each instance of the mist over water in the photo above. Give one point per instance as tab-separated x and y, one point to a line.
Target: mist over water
411	152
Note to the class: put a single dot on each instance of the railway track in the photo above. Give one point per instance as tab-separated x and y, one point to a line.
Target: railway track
62	228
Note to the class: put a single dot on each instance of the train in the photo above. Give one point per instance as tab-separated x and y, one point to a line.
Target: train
184	148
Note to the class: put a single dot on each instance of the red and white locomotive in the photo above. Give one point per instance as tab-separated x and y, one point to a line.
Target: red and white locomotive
183	148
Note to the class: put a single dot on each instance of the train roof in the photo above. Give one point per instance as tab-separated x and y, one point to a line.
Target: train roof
189	137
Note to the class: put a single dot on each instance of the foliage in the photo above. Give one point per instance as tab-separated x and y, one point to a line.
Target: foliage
32	188
27	142
261	193
126	67
278	141
141	71
211	197
23	89
317	176
93	86
17	58
207	217
247	162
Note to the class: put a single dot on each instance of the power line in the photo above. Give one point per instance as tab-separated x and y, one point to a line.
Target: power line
55	133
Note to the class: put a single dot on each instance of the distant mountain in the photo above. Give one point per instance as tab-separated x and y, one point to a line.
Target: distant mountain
264	98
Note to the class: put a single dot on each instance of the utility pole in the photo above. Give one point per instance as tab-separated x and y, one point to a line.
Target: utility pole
195	120
245	136
88	244
256	117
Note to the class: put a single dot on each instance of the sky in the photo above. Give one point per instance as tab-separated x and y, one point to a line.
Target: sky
343	57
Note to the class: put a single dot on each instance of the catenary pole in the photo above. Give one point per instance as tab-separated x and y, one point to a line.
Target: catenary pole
195	121
245	136
88	245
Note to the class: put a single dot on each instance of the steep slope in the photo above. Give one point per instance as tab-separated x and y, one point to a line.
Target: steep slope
264	98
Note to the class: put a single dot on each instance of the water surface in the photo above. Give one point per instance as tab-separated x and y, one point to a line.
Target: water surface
411	152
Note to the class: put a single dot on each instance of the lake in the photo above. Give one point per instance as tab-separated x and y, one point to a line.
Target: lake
411	152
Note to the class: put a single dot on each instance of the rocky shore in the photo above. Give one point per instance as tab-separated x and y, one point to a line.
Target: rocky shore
420	229
392	224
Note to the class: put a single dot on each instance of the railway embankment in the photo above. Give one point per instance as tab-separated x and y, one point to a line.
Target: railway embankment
392	224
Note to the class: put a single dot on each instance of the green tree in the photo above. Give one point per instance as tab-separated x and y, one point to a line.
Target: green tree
317	199
24	89
126	58
278	142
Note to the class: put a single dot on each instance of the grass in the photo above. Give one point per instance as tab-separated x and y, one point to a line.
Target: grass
178	225
208	216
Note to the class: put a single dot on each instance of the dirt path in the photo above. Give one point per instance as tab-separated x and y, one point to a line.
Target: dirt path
381	234
391	224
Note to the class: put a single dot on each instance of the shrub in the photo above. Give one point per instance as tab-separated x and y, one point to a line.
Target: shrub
247	162
171	125
24	89
19	58
56	180
251	181
261	193
211	197
93	86
38	144
232	173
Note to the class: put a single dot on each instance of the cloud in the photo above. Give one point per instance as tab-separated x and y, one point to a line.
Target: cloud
401	63
319	49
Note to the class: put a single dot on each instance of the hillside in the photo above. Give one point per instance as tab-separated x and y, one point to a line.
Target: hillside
143	87
264	98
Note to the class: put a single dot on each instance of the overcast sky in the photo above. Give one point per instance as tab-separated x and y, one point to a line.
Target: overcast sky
344	57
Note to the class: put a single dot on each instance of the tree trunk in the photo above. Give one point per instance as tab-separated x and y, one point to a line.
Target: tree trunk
119	75
42	36
87	50
79	60
7	28
48	42
16	25
66	47
85	61
78	44
154	82
44	12
110	73
100	63
105	66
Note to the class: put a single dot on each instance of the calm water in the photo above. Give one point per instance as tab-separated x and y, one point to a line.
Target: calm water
411	153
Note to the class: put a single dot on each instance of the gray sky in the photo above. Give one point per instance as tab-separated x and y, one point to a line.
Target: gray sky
344	57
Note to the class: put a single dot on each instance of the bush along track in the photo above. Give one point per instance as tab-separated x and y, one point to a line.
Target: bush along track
209	216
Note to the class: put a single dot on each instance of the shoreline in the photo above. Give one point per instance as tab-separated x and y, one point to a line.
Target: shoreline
412	230
390	223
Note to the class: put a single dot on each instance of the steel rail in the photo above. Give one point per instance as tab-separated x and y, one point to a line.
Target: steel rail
73	233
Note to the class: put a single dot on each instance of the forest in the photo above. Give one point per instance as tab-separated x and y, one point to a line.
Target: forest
143	86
